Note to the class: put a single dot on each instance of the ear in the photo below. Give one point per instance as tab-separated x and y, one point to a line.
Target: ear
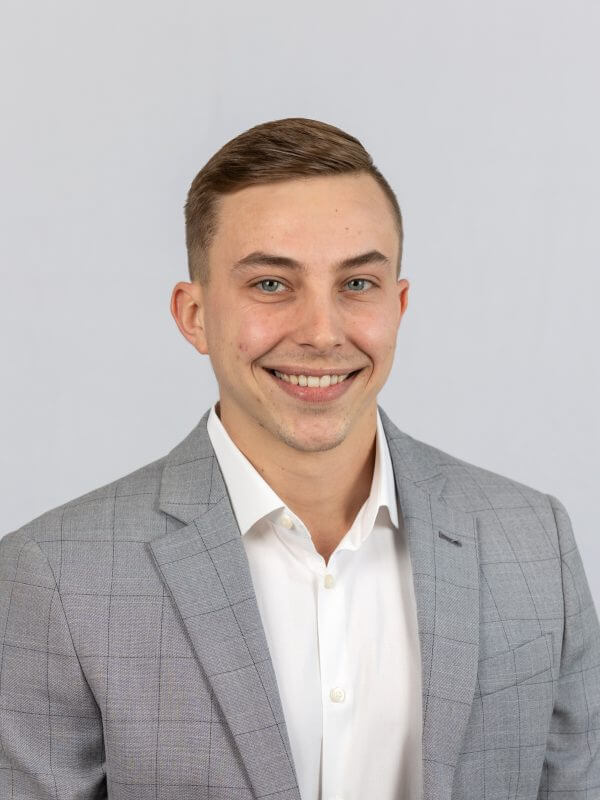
187	308
403	286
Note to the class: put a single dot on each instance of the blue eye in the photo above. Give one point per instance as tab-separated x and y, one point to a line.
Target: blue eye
268	280
360	280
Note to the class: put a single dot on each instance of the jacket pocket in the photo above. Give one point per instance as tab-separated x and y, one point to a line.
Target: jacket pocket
528	663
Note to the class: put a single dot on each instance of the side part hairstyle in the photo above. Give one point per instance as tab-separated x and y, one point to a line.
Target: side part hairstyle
282	149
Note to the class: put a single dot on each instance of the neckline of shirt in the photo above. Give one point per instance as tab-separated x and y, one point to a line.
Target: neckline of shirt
253	499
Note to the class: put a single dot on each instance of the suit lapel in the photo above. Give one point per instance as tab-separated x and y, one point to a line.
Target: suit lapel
205	568
206	571
445	567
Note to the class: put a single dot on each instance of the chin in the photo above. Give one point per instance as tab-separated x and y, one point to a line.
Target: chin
310	440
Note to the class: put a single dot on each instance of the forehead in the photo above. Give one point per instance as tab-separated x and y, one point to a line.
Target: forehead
324	214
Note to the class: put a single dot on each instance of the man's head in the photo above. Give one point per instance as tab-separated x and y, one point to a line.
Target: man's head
294	243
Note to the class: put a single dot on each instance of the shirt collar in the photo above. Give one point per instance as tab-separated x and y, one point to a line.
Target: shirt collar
252	498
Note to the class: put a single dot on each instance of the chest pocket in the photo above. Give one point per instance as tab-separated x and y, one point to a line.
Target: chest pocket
530	663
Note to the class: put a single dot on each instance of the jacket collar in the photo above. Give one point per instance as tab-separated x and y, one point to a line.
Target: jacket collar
205	569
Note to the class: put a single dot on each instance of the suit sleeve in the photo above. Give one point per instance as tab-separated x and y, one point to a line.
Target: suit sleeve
572	761
51	745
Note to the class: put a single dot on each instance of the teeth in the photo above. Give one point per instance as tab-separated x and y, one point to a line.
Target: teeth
311	380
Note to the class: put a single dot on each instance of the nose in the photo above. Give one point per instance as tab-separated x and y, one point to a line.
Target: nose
319	324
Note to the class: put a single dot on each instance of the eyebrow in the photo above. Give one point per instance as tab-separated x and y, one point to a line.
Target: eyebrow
260	258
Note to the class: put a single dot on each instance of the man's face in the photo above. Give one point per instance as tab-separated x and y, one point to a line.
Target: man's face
265	314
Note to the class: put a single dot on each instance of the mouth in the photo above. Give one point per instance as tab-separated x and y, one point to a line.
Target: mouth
314	394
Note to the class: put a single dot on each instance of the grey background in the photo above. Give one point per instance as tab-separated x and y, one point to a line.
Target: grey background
484	118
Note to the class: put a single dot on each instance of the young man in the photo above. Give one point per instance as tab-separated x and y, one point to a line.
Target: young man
299	600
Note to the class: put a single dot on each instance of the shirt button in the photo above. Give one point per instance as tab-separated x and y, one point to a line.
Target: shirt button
286	521
337	695
329	581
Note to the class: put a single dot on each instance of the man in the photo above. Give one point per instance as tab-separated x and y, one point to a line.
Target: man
300	600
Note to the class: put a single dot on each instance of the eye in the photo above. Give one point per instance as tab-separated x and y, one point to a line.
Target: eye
360	280
270	281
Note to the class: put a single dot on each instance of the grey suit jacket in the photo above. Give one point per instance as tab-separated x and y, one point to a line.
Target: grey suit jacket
134	664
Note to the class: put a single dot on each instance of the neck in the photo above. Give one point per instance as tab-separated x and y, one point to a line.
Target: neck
304	479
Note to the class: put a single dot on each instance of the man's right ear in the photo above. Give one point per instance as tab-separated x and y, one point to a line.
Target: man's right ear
187	308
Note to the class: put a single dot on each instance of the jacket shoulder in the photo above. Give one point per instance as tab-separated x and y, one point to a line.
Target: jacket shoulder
466	486
126	502
472	487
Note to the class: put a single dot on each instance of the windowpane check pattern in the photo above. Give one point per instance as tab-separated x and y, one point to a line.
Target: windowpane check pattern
134	663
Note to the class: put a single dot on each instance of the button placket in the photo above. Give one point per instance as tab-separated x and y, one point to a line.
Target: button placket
335	691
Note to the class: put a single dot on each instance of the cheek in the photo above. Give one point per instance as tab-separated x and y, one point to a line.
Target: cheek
375	334
255	335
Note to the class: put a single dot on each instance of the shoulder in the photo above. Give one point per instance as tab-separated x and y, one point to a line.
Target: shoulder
462	484
517	524
127	503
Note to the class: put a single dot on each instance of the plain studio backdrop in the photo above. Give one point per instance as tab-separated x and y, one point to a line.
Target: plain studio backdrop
482	115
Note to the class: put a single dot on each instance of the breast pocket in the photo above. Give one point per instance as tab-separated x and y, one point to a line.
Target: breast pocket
529	663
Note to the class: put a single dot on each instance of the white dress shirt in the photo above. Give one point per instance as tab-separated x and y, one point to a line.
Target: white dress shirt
343	637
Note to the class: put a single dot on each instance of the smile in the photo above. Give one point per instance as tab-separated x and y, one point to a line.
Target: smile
312	380
312	388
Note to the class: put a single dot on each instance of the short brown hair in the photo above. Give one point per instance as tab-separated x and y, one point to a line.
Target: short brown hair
272	151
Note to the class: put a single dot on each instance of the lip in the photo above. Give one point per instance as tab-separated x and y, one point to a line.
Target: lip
314	394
